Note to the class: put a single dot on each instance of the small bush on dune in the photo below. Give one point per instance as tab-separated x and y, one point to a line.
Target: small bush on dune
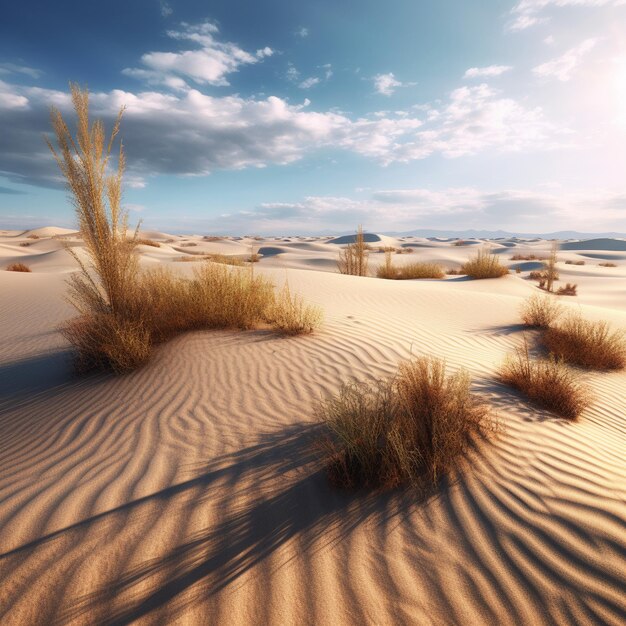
412	429
607	264
548	383
527	257
420	270
460	242
568	290
574	262
592	345
224	259
147	242
25	244
291	316
484	265
540	311
353	259
188	244
33	236
18	267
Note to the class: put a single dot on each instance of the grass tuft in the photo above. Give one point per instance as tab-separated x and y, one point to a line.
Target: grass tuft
568	290
484	265
147	242
410	430
592	345
607	264
291	316
548	383
540	311
18	267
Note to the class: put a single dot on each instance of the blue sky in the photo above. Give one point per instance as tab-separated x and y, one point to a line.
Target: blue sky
291	117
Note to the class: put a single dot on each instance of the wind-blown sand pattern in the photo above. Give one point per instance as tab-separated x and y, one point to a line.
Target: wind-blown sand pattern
190	491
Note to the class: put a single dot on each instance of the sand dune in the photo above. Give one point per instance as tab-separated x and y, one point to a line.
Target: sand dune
190	492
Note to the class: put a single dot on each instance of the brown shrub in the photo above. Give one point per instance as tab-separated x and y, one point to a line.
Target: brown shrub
188	244
353	258
592	345
460	242
212	238
607	264
484	265
548	383
147	242
540	311
291	316
225	259
33	236
25	244
527	257
18	267
453	272
568	290
574	262
412	429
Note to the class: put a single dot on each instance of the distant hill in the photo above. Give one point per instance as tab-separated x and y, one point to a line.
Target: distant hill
502	234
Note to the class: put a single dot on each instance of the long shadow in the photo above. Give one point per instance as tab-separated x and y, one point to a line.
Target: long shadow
35	374
283	495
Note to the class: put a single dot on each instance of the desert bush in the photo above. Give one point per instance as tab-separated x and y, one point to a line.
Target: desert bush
568	290
147	242
405	251
33	236
548	383
550	272
592	345
291	316
574	262
460	242
387	270
527	257
254	256
607	264
25	244
484	265
540	311
212	238
225	259
412	429
420	270
453	272
18	267
353	258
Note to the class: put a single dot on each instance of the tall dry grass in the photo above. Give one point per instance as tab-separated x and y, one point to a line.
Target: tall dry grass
548	383
592	345
353	259
18	267
411	429
408	272
122	311
484	264
290	315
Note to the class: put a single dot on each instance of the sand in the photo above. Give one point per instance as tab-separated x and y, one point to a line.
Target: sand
190	491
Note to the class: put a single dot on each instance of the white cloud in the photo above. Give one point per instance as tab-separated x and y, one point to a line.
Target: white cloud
209	64
386	84
309	82
487	72
166	9
527	13
292	73
14	68
302	32
453	209
191	133
564	66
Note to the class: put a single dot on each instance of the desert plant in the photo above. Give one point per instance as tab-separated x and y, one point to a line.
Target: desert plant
460	242
568	262
592	345
453	272
548	383
550	271
18	267
147	242
291	316
540	311
388	270
408	430
226	259
353	258
607	264
254	256
484	265
25	244
420	270
527	257
568	290
188	244
33	236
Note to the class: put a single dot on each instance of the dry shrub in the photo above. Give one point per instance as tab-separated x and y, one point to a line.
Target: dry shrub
25	244
147	242
18	267
607	264
550	272
548	383
540	311
225	259
536	275
484	265
212	238
353	258
574	262
592	345
568	290
408	272
460	242
33	236
254	257
412	429
453	272
291	316
387	249
188	244
527	257
405	251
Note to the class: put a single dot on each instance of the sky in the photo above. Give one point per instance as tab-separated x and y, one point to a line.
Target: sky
282	117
